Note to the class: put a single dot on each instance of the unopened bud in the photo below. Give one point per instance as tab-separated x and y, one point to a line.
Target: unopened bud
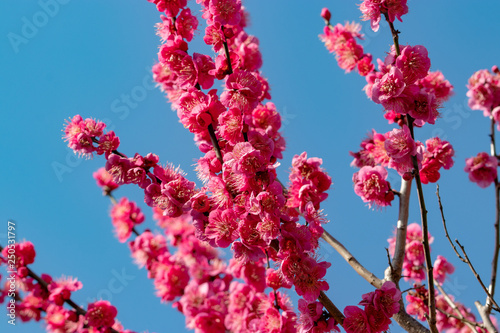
325	13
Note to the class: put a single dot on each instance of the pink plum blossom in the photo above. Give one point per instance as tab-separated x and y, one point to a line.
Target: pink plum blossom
482	169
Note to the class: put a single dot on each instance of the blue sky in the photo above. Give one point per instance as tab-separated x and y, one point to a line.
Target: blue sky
87	57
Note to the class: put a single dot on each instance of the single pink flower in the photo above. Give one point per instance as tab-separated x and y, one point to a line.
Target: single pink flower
482	169
356	320
222	227
441	268
371	185
101	314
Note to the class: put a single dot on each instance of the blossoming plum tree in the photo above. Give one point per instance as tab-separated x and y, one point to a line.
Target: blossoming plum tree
273	228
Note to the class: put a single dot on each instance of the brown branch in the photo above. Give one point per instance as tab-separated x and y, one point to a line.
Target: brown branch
395	34
494	263
407	322
399	251
215	143
344	253
331	308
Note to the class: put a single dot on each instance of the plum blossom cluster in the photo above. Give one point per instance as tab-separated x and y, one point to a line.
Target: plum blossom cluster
410	95
394	150
125	215
214	296
402	84
242	204
379	306
83	134
446	316
417	298
42	298
342	41
482	169
371	185
484	94
373	9
414	262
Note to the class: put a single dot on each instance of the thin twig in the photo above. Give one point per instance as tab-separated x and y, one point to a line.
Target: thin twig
464	258
494	263
45	286
445	228
389	259
496	307
425	234
215	143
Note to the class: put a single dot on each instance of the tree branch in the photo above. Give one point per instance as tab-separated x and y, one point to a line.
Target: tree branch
360	269
399	252
331	308
494	263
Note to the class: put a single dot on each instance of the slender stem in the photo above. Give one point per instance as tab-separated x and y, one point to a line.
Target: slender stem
446	228
494	263
423	210
215	143
425	233
492	137
450	302
465	257
331	308
395	34
478	277
360	269
45	286
228	57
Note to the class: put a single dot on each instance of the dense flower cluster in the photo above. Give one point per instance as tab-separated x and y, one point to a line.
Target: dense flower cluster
484	94
379	306
242	204
43	298
82	134
394	150
209	293
414	263
342	40
482	169
484	91
125	215
411	96
373	9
